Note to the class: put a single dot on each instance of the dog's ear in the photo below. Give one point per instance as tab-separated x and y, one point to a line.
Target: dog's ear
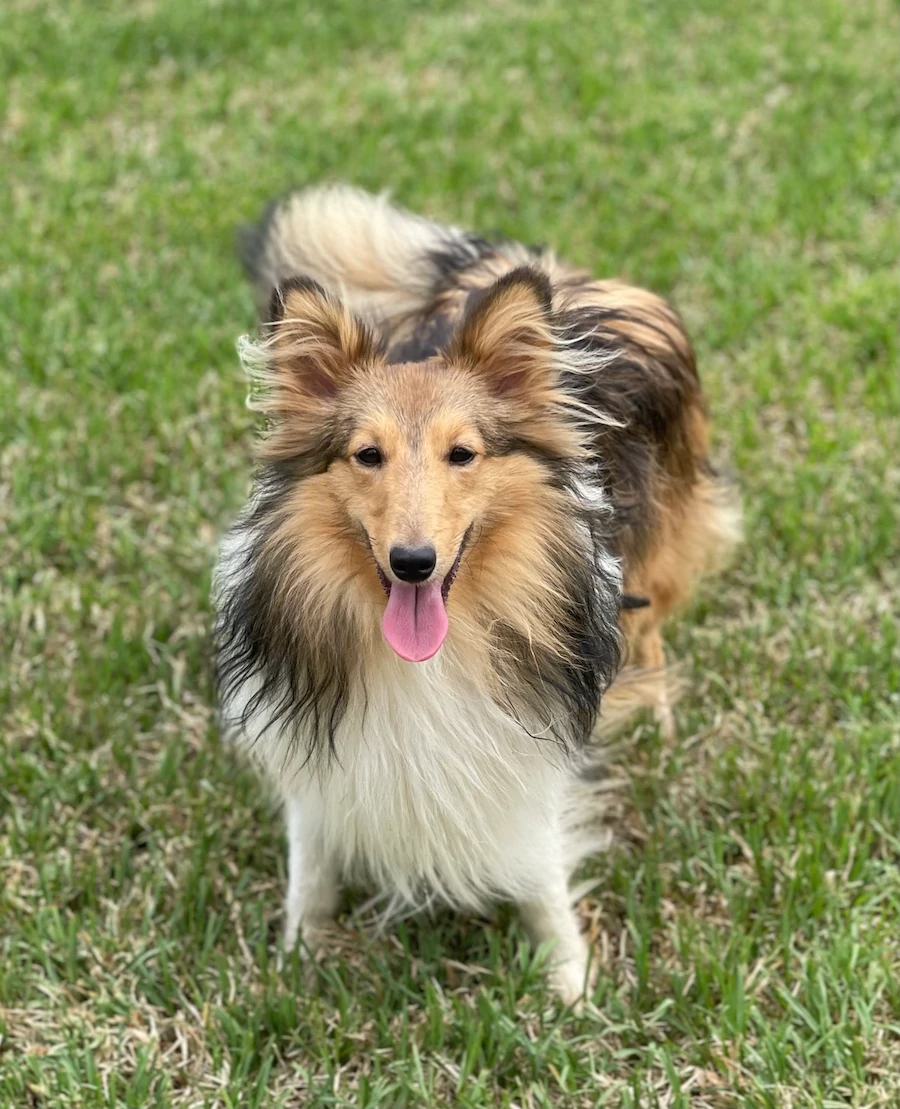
507	337
311	348
315	345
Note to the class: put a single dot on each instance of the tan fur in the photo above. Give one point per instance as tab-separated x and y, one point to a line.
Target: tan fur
698	528
332	521
315	350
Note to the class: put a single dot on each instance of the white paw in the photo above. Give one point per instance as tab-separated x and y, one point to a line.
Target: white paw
308	941
572	977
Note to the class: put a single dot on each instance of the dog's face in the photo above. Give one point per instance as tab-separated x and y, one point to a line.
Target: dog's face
413	474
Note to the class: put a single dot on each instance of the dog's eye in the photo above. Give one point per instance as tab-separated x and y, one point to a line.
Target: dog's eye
460	456
368	456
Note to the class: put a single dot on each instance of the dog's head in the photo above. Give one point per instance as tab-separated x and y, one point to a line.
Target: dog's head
423	486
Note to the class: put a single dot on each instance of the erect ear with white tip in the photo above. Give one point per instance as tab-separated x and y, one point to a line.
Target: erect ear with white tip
316	345
508	337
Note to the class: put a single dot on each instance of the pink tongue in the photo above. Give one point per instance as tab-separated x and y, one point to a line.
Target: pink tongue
415	620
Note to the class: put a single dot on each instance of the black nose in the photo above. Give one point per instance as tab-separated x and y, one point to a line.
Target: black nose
413	563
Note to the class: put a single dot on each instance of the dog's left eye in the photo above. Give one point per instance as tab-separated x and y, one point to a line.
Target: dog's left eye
460	456
369	456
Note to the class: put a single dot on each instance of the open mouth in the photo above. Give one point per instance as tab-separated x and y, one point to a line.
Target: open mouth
415	621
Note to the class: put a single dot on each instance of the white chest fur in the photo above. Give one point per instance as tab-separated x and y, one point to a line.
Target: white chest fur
436	792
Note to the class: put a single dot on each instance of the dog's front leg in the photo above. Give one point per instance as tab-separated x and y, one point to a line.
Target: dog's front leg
312	894
550	918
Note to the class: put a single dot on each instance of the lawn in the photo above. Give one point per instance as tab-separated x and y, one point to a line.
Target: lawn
739	156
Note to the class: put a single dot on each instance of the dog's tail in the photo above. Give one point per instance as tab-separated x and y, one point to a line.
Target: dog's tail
383	262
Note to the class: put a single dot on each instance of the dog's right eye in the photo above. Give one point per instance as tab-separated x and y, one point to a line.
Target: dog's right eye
368	456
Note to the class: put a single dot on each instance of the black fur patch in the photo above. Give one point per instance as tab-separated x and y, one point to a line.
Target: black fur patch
564	696
431	334
458	253
278	299
251	243
647	396
302	682
479	300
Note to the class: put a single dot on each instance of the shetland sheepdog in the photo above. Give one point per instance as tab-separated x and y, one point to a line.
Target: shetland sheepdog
483	485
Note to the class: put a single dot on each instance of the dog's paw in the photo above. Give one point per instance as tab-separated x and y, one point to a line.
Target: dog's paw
571	979
665	720
309	942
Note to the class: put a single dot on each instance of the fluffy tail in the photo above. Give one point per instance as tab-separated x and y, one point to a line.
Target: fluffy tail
383	262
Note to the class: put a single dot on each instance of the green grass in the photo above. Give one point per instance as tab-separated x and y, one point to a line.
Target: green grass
740	156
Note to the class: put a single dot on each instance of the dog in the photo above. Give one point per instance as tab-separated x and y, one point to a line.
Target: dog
483	485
